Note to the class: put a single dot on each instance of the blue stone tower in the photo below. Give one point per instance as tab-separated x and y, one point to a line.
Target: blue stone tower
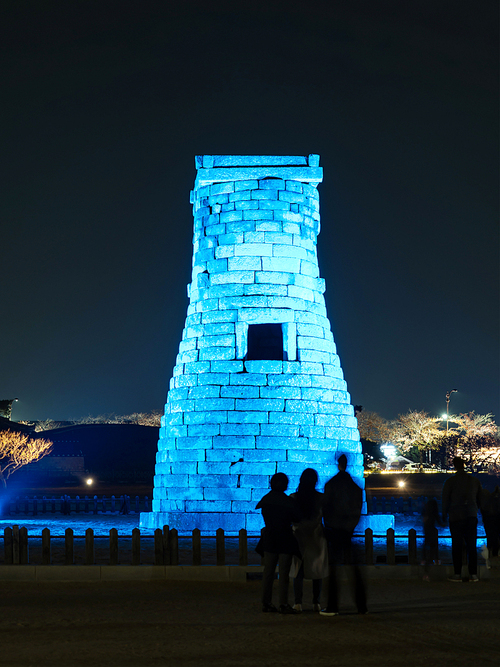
257	387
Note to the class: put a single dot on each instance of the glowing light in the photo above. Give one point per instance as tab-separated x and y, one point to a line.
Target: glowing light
389	451
89	481
401	483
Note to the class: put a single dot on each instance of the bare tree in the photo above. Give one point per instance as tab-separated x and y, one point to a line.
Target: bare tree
17	450
372	427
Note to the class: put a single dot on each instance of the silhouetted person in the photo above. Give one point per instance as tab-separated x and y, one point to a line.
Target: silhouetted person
313	563
342	505
279	512
461	498
430	517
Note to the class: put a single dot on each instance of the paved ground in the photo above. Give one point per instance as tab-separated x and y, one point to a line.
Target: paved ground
186	623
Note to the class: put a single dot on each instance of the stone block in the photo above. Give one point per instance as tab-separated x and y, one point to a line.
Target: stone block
200	442
184	493
234	442
213	468
245	263
233	277
265	455
226	366
280	392
240	429
281	264
217	354
212	481
280	442
208	506
247	379
227	494
272	289
205	391
259	404
266	366
297	418
224	454
283	430
213	378
184	455
240	391
211	404
244	507
247	417
215	417
249	481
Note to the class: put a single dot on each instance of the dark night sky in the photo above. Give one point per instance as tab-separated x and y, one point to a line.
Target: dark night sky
104	106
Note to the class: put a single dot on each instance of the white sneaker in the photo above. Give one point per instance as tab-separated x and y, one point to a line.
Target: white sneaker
297	607
474	578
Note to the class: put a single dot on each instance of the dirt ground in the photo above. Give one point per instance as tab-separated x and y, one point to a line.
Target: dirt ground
410	623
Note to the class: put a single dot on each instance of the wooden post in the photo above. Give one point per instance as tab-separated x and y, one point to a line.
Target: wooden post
136	546
220	547
113	546
46	557
412	546
95	505
15	545
104	504
173	546
68	547
77	504
242	547
89	547
8	546
166	546
391	547
113	503
369	546
44	505
196	540
159	560
23	546
146	504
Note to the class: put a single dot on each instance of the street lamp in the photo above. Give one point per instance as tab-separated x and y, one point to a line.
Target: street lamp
448	394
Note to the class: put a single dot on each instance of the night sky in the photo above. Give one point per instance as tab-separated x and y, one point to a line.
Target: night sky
104	106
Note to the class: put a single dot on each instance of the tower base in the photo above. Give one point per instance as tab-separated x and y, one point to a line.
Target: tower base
209	522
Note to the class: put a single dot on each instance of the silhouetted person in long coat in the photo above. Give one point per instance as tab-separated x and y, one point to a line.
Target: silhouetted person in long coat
342	505
461	498
279	544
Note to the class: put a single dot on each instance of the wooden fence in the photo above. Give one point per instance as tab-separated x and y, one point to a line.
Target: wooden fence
166	547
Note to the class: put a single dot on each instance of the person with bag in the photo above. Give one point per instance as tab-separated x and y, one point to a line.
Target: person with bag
313	561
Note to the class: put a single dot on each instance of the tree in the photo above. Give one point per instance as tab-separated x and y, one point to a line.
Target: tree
416	430
477	434
17	450
372	426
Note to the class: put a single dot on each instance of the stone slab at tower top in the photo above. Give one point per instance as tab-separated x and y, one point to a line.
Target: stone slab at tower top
257	387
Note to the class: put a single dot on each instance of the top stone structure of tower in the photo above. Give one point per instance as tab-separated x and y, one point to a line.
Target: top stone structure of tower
257	387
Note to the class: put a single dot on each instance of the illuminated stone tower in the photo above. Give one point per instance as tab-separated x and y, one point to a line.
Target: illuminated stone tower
257	387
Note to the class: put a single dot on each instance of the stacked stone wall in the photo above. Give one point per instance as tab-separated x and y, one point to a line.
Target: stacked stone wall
231	423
